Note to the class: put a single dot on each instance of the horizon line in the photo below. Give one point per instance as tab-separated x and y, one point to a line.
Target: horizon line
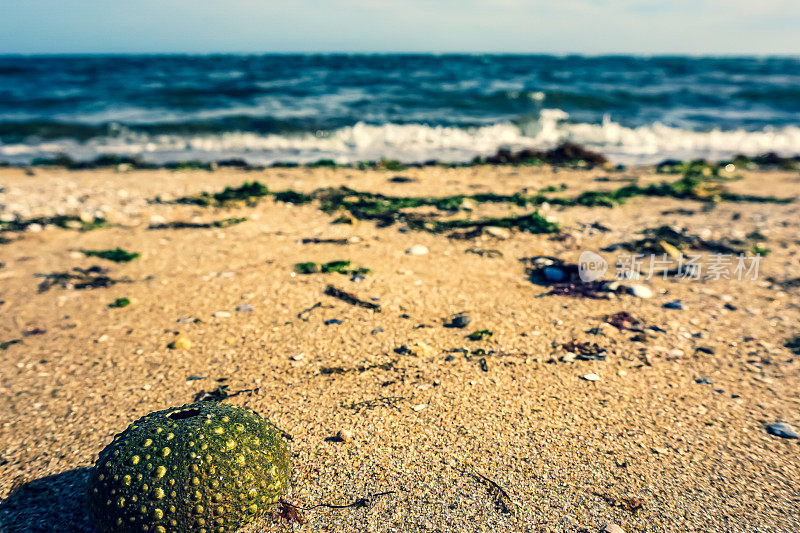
725	55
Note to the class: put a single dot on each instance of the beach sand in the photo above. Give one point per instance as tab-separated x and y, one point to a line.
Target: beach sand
670	438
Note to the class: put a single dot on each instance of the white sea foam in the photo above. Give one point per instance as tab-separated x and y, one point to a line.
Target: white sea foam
419	142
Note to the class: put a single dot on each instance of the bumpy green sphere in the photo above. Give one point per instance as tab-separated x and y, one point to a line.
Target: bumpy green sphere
201	468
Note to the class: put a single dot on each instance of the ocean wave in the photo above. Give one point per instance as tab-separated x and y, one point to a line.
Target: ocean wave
419	142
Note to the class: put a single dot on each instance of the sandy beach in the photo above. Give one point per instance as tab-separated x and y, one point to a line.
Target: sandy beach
663	428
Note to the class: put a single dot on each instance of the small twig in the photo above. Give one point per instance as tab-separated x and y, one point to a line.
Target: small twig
304	315
315	240
502	498
386	401
350	298
364	501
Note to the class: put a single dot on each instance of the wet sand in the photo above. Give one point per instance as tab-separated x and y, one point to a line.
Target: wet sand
670	438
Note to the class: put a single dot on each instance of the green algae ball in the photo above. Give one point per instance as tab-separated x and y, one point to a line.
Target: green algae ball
201	468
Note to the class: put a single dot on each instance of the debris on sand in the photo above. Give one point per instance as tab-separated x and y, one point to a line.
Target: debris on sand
221	392
247	193
566	154
673	241
491	253
224	223
328	370
119	303
385	401
624	320
502	499
480	334
61	221
632	504
341	267
351	298
290	513
117	255
305	314
317	240
459	320
585	351
5	344
531	223
794	344
79	278
562	278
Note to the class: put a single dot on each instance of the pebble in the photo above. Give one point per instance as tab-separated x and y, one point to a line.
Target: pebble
417	249
611	527
498	233
674	304
783	430
333	322
553	274
419	349
181	343
419	407
640	291
468	205
460	320
345	435
245	307
221	314
591	377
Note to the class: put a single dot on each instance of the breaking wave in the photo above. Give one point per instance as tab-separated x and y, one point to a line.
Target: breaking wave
412	143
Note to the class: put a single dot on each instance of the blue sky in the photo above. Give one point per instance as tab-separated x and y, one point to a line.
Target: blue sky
537	26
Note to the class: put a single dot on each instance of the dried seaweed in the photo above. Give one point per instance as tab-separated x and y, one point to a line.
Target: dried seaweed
328	370
61	221
654	239
531	223
117	255
5	344
341	267
119	303
79	278
248	192
224	223
480	334
623	320
220	393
